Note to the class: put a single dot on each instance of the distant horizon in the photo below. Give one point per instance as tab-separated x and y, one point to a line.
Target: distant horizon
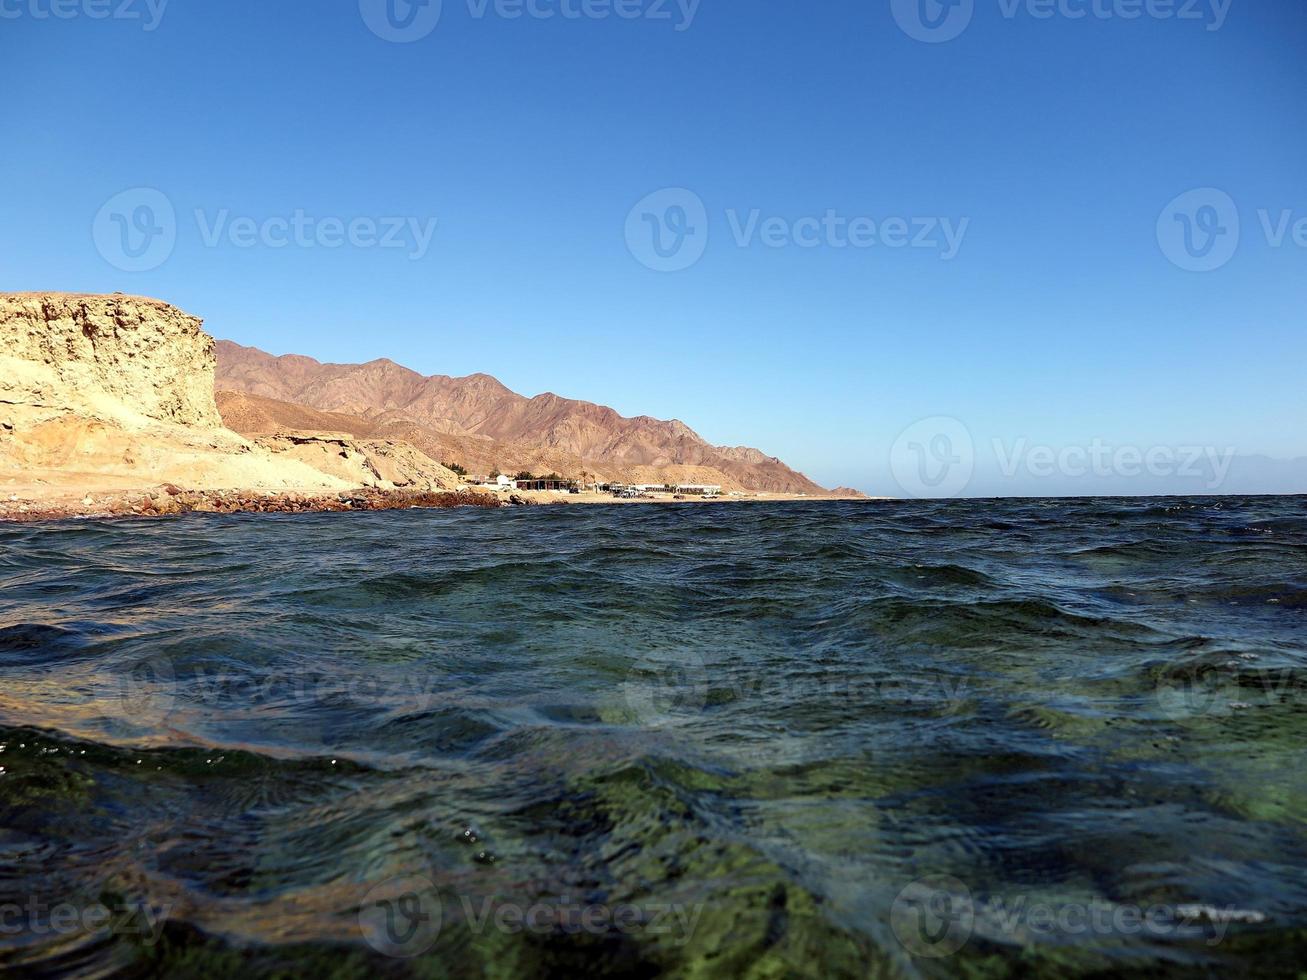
1299	474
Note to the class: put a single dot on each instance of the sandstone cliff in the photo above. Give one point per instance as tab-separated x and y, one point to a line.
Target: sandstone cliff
126	358
101	393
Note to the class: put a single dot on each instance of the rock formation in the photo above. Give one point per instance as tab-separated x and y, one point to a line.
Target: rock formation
107	405
102	393
117	357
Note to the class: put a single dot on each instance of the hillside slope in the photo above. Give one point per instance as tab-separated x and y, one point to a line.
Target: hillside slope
485	425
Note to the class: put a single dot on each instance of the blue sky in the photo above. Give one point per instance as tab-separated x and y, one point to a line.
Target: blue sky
1051	144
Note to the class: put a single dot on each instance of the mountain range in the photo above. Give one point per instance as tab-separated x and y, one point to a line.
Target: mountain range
479	424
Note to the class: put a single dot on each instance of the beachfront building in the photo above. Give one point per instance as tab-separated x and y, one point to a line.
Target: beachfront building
692	489
559	484
700	489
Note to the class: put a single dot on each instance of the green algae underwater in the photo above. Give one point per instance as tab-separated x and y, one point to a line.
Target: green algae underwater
967	738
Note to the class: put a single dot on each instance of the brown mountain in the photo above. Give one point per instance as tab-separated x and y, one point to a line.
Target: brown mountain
478	422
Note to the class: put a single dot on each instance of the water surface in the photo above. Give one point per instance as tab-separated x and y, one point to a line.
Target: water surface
826	739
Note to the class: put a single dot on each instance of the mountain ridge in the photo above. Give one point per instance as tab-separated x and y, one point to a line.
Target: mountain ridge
591	438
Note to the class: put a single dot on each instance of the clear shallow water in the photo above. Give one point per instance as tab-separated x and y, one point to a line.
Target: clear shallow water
994	738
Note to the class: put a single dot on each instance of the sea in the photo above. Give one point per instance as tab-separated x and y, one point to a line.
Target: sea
989	738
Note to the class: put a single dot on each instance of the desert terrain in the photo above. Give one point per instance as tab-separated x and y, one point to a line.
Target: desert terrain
124	405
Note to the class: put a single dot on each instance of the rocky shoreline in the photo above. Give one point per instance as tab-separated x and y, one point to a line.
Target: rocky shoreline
171	501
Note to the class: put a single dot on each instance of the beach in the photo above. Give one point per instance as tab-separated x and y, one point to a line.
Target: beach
74	495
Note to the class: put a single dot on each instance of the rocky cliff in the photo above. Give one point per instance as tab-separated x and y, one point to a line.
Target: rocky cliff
125	357
106	393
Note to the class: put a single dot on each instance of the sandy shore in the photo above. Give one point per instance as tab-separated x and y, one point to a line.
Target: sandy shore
591	497
28	503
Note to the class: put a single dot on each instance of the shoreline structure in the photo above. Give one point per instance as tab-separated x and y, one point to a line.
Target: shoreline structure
107	409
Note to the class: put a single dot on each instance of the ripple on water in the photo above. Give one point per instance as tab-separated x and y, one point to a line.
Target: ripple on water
778	715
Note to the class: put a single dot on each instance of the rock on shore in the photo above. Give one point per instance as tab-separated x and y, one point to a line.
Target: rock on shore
169	501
